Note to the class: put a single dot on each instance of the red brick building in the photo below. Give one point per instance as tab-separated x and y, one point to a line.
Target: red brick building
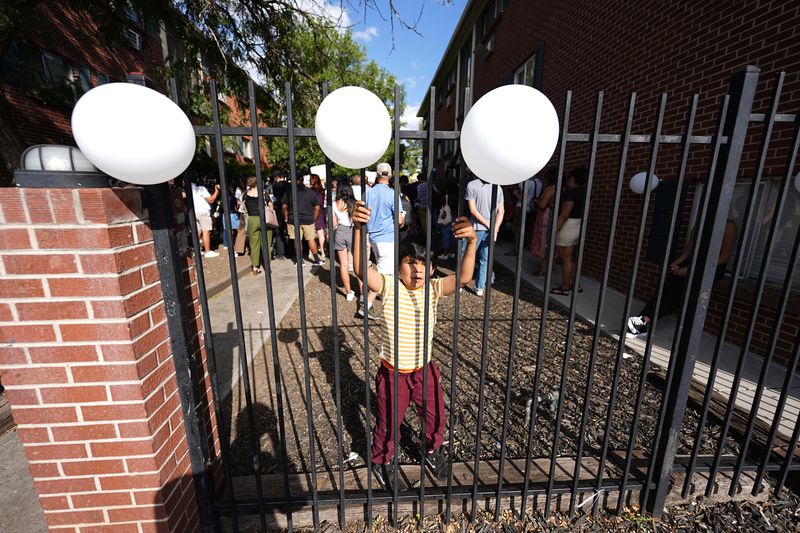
61	53
649	47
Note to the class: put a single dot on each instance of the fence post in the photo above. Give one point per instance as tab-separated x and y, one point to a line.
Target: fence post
87	360
158	200
720	191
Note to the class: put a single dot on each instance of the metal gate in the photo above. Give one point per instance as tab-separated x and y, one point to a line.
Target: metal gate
603	473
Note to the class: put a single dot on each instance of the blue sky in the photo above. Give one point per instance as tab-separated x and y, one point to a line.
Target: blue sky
415	56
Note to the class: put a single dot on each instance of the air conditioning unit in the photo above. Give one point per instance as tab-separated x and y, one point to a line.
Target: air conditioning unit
134	38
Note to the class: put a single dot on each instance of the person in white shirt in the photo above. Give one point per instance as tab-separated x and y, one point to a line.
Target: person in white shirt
241	212
202	200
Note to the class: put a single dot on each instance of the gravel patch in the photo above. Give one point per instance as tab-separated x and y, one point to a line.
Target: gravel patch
321	363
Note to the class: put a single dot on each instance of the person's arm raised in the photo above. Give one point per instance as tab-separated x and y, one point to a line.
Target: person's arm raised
373	280
462	229
211	199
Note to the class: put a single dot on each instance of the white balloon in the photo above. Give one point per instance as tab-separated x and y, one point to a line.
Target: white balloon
353	127
133	133
637	182
509	134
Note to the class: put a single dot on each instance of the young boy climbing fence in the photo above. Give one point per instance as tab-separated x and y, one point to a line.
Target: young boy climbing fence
412	363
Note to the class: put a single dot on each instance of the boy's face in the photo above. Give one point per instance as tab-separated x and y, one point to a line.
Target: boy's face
412	272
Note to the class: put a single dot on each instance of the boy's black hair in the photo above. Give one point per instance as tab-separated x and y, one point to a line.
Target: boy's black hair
414	248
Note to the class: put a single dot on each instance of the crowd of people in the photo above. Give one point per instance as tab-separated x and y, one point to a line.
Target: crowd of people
414	218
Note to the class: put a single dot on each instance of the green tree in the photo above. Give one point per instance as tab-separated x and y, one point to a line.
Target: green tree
274	36
334	57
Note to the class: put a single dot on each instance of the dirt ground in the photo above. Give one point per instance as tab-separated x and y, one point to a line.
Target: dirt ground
321	375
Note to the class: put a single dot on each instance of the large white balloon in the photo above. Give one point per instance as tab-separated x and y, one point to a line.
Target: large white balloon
133	133
353	127
638	180
509	134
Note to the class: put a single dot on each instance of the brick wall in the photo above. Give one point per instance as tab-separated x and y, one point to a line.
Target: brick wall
86	361
650	47
76	36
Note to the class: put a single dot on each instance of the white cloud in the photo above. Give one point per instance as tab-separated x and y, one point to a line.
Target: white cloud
415	65
366	35
409	118
410	83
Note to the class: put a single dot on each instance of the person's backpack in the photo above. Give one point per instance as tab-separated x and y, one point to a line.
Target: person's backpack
533	206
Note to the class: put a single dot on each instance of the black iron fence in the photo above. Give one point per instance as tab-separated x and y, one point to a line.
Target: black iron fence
605	472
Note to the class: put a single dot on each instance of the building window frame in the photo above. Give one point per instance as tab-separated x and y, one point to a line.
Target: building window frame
530	72
756	234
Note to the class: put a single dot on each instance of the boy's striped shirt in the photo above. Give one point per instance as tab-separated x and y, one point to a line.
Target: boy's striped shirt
411	324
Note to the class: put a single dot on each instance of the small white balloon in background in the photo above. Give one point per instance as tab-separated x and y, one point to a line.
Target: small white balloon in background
509	134
637	182
353	127
133	133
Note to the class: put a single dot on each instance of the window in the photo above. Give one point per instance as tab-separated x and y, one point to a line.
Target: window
757	232
22	64
133	14
525	74
84	79
464	76
56	70
487	18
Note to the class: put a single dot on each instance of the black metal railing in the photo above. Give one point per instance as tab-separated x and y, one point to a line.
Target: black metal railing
653	480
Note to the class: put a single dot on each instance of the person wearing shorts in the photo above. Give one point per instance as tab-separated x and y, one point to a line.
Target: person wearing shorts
308	208
202	200
343	208
380	200
568	226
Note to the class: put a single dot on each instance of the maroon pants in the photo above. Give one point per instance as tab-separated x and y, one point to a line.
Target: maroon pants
409	387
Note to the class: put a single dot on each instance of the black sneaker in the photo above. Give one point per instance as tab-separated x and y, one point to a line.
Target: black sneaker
637	326
438	465
384	474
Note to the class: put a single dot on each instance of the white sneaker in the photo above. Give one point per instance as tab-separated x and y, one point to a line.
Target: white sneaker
478	292
350	296
636	326
212	253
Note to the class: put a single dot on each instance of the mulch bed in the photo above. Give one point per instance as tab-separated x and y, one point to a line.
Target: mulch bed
780	514
321	362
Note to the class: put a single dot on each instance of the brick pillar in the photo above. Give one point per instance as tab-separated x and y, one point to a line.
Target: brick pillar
86	361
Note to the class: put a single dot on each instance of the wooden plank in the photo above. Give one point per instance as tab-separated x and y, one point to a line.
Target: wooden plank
355	479
487	473
718	408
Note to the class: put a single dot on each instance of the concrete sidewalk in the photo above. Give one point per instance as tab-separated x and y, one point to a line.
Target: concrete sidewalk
20	511
611	324
19	503
255	316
